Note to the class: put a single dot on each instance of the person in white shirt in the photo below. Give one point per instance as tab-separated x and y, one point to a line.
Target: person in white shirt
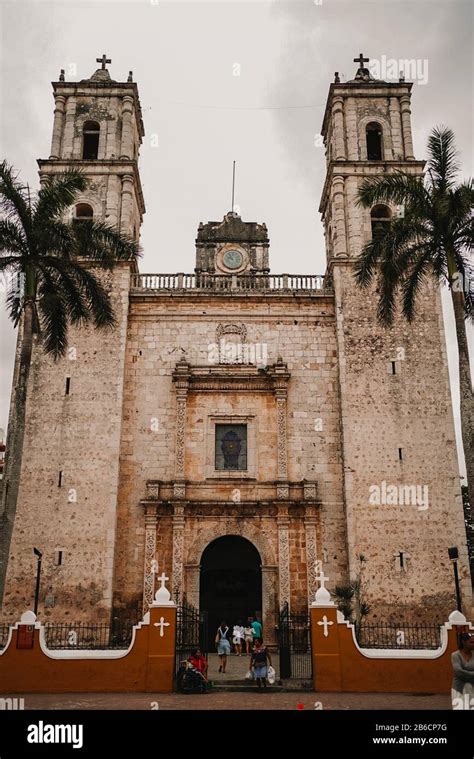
237	638
248	636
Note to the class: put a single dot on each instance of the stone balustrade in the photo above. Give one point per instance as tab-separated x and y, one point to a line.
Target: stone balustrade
304	283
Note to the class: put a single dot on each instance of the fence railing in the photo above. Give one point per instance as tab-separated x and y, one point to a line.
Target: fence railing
88	636
230	283
403	636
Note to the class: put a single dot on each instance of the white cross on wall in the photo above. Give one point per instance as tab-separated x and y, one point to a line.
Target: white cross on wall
324	622
162	624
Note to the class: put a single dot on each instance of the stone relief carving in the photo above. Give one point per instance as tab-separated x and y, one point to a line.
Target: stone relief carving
149	574
282	442
284	563
180	434
311	559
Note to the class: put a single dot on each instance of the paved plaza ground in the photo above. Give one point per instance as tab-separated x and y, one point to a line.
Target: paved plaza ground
241	701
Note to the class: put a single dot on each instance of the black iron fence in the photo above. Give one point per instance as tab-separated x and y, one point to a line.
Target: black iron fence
294	637
418	636
191	632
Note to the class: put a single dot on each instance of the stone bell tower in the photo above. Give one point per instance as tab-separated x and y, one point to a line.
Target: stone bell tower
68	485
98	129
401	477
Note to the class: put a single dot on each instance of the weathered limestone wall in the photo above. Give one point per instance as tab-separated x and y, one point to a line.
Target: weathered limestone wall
299	330
79	435
381	413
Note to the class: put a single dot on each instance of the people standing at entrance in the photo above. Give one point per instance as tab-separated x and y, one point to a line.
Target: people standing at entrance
248	636
462	689
257	629
259	663
223	645
237	638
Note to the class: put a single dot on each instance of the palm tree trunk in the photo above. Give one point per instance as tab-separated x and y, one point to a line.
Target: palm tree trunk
14	445
465	387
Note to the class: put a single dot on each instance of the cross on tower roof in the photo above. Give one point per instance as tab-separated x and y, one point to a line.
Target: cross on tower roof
361	60
103	61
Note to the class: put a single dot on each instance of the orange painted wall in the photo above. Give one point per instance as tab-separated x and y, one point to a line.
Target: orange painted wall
148	667
338	665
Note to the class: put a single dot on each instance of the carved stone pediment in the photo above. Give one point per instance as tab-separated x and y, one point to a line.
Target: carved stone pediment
232	377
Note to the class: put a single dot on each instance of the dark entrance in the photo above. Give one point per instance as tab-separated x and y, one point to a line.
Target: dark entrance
231	582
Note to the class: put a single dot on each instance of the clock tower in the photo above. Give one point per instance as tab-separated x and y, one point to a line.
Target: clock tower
232	246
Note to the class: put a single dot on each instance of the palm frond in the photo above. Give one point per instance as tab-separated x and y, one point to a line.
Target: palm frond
75	303
442	163
12	238
96	296
57	194
53	317
103	244
14	200
412	284
399	188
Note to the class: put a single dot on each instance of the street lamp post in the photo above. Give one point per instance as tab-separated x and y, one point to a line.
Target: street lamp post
454	556
39	556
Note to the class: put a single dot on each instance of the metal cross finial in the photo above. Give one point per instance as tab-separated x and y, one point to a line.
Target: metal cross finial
103	61
361	60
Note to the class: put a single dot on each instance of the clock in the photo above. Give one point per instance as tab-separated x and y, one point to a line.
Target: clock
232	259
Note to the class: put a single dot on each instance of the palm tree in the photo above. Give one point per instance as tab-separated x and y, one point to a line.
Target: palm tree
50	261
433	238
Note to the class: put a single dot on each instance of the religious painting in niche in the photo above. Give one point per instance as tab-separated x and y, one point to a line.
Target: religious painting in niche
231	447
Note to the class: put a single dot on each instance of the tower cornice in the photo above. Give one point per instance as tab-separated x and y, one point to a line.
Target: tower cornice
97	167
361	89
90	87
365	169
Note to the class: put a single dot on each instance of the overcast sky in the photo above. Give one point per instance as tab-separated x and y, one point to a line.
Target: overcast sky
183	56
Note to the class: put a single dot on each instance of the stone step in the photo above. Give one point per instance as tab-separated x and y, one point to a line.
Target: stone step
237	687
244	686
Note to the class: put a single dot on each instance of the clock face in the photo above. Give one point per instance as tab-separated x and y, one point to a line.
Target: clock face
232	259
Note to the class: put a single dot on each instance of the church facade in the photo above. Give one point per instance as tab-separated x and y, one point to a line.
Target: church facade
240	431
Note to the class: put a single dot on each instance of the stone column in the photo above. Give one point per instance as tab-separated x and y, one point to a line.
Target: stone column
396	128
69	128
338	127
406	127
270	611
181	376
310	522
192	582
126	204
281	378
351	129
178	550
283	523
151	521
59	110
126	145
339	216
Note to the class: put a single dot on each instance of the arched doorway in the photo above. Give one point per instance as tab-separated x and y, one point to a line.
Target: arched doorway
230	582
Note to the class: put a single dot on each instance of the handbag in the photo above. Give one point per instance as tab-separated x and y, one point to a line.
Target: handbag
249	675
271	675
